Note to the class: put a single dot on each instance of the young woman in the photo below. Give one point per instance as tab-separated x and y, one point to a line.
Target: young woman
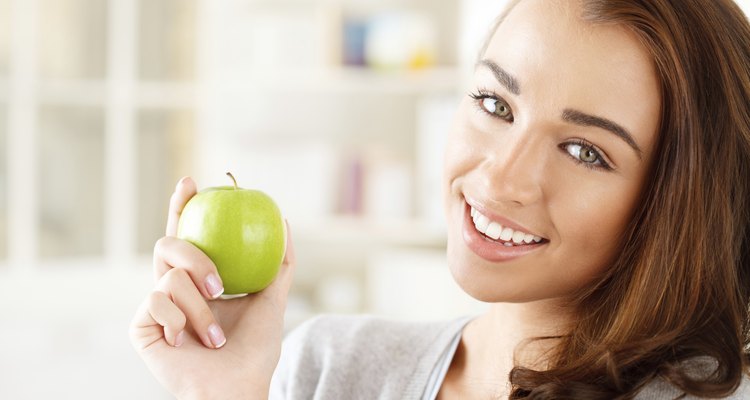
597	194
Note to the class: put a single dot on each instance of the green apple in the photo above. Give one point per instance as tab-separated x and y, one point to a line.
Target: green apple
242	232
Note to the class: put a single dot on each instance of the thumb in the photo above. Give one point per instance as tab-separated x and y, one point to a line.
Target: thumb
289	258
184	190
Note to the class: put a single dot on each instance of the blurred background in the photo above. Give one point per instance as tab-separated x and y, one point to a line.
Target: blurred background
336	108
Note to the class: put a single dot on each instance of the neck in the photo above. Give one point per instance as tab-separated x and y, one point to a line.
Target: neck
492	344
525	320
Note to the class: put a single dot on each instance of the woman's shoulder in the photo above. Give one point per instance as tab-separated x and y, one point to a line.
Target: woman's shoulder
354	338
353	329
659	388
329	354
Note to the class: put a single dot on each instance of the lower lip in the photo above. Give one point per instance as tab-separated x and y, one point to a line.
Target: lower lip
489	249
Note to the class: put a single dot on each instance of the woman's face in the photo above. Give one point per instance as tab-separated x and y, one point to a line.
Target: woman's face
552	148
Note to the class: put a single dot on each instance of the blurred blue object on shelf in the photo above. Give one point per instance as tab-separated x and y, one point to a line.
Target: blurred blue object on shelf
355	33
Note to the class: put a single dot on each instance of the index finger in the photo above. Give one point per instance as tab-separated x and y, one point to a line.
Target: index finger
184	190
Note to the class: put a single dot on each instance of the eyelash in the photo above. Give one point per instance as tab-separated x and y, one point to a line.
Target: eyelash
482	94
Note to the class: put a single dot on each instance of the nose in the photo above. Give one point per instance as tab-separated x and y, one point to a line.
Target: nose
513	174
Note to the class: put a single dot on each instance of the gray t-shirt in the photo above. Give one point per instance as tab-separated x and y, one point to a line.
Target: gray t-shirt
365	357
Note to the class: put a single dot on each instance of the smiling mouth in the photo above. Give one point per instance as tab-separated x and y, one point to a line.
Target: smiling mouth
495	232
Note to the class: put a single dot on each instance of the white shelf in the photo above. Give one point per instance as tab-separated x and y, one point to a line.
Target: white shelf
347	230
79	93
94	93
166	95
350	80
344	80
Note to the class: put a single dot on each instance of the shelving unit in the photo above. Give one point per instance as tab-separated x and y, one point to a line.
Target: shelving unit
89	161
137	113
156	112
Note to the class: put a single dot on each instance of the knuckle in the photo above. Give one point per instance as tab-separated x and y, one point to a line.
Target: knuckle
205	316
204	265
161	245
154	298
175	277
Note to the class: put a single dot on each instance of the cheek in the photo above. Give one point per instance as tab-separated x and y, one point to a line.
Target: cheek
590	220
462	155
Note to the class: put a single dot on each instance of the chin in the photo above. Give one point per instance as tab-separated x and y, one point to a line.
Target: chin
477	291
492	283
481	282
470	275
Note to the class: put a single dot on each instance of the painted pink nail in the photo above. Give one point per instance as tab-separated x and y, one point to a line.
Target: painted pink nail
216	335
180	183
214	286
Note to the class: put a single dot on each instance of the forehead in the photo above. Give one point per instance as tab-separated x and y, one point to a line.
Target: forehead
562	61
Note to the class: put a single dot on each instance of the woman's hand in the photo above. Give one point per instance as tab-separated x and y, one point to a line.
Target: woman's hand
198	347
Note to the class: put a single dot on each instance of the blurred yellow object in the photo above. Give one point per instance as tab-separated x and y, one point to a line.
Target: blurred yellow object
401	40
422	59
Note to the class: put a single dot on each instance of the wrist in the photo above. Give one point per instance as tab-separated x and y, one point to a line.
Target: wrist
233	392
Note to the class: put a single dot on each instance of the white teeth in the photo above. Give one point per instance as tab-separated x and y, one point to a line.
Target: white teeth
518	237
481	223
493	230
496	231
506	234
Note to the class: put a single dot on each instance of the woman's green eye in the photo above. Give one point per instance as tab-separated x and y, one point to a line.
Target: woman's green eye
584	153
497	107
588	155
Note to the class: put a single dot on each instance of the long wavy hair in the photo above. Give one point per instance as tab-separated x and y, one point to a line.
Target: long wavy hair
679	289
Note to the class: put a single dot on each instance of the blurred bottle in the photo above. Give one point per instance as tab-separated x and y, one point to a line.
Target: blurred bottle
401	40
355	34
351	189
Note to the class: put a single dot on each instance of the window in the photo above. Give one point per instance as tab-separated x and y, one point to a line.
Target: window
164	155
166	42
70	181
72	39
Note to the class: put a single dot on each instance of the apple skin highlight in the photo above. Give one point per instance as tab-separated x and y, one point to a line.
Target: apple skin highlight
242	231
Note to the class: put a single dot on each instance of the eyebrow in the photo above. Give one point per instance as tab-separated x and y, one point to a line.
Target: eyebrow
502	76
583	119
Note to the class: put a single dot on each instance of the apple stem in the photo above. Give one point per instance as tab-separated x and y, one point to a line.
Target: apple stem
233	180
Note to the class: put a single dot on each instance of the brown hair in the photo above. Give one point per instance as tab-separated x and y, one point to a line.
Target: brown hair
679	288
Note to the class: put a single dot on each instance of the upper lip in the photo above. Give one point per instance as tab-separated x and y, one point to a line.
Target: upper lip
505	222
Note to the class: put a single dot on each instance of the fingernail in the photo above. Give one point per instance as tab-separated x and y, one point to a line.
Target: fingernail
214	286
181	182
216	335
179	339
